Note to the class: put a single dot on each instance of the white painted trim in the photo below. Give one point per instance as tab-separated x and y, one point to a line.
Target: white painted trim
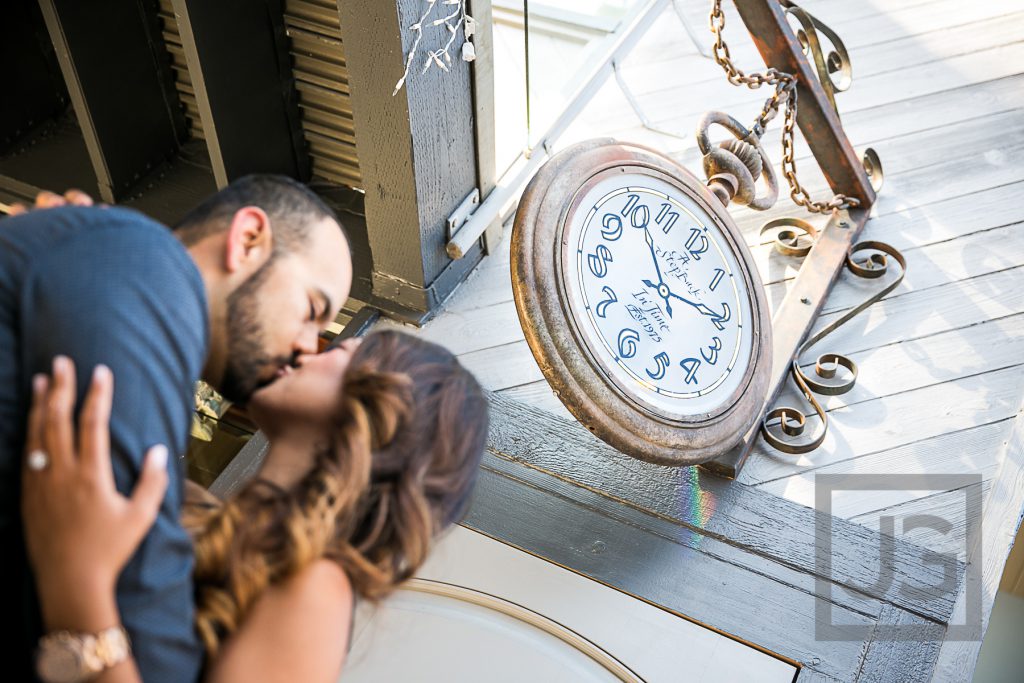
1001	519
511	184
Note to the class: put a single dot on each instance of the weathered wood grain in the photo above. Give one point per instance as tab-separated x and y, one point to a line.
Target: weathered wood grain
660	569
757	522
954	354
905	660
861	25
462	332
416	151
927	311
676	533
970	100
894	421
975	449
499	367
242	467
810	675
956	215
967	35
952	506
977	254
876	44
540	395
937	172
872	91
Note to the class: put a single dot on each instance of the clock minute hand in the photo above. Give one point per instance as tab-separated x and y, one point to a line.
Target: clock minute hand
661	286
654	256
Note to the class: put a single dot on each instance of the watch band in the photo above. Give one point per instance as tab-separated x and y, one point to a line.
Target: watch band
66	657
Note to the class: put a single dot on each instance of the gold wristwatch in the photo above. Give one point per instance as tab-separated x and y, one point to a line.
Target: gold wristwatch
66	657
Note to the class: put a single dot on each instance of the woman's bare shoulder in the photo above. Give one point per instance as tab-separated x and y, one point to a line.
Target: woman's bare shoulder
318	597
322	581
297	630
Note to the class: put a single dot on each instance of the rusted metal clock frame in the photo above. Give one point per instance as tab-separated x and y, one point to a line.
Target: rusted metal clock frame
565	360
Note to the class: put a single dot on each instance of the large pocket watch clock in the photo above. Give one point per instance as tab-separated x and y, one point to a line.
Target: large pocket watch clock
641	302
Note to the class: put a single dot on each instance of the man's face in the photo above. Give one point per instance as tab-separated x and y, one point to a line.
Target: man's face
279	312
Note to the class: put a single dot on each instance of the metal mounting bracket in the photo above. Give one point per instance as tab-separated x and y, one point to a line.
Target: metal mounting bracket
462	213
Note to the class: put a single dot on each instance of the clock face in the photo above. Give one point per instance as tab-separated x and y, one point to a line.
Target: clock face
640	302
655	294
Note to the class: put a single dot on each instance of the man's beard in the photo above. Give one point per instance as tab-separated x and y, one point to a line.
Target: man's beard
247	359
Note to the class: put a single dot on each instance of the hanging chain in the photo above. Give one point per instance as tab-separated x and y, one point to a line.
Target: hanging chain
785	93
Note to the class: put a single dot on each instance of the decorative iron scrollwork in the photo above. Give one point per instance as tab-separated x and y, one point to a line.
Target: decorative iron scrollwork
792	421
787	240
834	68
873	167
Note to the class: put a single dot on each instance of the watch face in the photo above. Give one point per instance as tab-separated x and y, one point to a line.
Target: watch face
653	288
60	662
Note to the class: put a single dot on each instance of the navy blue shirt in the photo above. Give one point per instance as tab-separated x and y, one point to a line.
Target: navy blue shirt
105	285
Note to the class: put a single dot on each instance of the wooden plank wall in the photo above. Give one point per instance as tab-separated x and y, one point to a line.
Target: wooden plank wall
938	91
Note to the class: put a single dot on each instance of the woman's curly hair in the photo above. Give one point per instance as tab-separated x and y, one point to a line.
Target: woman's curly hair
399	468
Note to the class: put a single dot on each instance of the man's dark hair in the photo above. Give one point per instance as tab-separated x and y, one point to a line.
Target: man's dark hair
291	206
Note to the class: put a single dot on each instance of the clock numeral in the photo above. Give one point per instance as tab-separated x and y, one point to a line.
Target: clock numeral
644	217
627	342
712	357
631	201
602	308
599	260
718	278
639	215
690	365
612	225
666	214
723	317
695	235
661	364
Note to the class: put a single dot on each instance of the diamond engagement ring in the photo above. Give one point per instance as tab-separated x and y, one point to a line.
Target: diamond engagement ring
38	460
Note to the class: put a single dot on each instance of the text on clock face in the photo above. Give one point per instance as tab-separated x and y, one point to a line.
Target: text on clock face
661	291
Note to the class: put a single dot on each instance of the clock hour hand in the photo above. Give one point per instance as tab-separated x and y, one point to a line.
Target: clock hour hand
703	308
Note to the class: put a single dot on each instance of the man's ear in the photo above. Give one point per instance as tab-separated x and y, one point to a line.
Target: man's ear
250	241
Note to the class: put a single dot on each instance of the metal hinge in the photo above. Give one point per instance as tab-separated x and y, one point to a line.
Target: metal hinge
463	212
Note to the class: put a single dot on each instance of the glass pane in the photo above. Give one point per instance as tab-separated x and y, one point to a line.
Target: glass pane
509	82
541	52
564	39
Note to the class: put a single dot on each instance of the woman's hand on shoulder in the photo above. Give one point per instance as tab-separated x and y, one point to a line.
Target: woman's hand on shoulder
78	527
49	200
